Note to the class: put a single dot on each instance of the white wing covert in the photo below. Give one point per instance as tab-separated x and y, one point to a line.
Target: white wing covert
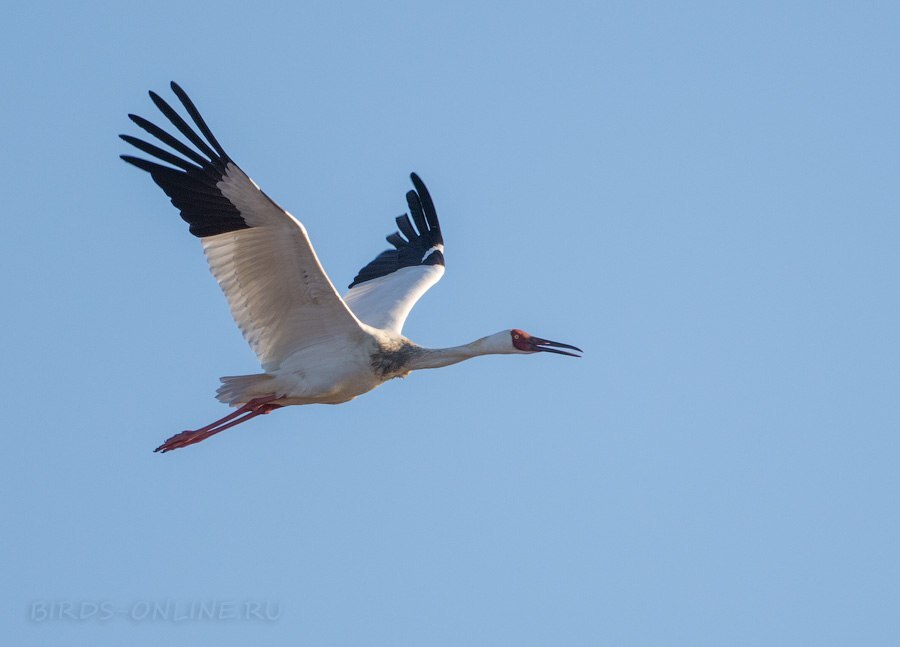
385	290
261	256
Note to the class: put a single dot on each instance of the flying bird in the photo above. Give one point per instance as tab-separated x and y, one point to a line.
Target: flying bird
314	345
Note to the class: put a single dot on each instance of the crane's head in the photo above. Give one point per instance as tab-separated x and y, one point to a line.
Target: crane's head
522	342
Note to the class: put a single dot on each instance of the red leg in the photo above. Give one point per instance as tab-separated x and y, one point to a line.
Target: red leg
253	408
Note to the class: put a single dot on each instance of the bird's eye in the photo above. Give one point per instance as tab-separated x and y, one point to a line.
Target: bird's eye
516	337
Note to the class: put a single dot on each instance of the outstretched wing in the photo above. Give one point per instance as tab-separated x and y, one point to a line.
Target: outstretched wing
385	290
279	295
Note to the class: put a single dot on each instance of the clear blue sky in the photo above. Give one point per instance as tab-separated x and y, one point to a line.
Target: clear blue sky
703	196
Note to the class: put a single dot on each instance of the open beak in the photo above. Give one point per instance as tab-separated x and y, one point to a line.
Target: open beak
547	346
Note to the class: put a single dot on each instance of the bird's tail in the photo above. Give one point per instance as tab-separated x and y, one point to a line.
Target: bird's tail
240	389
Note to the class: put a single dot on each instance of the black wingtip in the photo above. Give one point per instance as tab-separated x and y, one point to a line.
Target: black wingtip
428	208
419	184
189	176
142	164
420	245
198	119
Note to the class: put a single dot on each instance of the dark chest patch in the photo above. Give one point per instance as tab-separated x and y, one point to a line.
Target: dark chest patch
392	362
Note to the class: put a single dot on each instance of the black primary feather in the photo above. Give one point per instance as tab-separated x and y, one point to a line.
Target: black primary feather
192	184
419	239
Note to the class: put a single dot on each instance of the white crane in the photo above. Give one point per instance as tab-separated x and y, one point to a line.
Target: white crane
314	345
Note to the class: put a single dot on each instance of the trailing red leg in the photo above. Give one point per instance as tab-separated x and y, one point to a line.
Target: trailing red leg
255	407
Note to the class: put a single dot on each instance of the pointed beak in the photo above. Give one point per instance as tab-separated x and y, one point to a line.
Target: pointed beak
547	346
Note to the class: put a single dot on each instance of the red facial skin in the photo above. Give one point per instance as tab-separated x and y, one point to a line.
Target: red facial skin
521	340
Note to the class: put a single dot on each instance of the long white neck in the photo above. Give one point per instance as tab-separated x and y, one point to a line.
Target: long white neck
498	344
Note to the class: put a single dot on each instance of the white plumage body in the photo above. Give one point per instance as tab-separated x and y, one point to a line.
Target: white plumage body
311	375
